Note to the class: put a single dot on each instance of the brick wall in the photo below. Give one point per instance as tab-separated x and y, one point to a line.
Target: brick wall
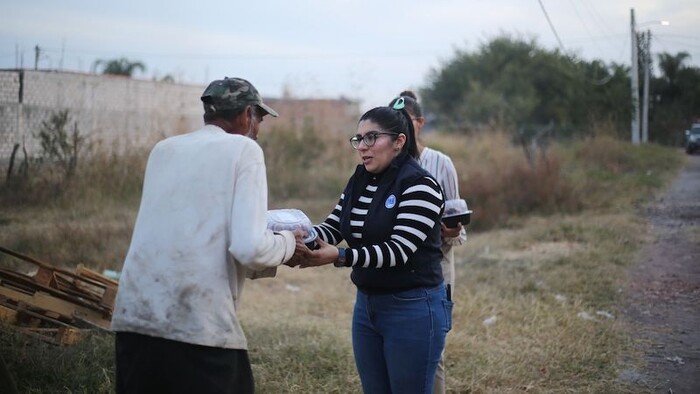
120	111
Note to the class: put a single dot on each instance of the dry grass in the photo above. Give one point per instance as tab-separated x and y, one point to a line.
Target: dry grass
85	220
535	280
543	263
500	183
66	237
606	169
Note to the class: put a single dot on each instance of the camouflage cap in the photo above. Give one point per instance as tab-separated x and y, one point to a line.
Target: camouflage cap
232	94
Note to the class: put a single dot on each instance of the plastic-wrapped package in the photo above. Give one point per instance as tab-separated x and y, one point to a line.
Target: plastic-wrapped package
292	219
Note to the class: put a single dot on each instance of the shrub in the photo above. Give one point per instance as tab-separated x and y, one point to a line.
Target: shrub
500	183
58	144
518	189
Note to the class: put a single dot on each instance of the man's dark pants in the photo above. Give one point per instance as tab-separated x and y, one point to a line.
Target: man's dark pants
148	364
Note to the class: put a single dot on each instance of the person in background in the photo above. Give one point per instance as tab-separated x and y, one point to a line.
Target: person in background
440	166
389	215
200	231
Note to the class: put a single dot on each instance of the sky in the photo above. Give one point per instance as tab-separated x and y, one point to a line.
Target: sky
365	50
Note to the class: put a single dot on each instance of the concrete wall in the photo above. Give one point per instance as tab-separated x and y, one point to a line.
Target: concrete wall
121	112
110	109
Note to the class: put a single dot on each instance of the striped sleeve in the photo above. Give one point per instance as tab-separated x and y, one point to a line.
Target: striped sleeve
419	209
329	230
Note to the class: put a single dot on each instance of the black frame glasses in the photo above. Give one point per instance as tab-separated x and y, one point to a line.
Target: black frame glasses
369	138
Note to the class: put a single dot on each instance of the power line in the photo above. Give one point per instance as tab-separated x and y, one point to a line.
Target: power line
583	22
597	18
677	41
665	42
604	26
561	45
607	38
585	25
233	56
687	37
598	82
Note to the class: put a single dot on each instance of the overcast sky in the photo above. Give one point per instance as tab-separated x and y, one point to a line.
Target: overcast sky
368	50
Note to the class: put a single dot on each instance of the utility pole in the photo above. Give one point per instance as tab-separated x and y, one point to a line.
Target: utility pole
635	81
37	51
645	99
63	51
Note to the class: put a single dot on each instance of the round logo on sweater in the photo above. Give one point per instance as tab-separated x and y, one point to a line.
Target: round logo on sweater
390	201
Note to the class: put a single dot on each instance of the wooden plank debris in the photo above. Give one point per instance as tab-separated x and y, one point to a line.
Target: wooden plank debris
53	303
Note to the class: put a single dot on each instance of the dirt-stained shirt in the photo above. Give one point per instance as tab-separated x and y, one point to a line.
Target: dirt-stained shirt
201	229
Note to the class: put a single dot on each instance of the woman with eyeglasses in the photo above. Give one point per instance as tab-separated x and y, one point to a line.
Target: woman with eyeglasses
389	215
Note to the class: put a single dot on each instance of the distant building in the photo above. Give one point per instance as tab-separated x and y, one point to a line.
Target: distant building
322	115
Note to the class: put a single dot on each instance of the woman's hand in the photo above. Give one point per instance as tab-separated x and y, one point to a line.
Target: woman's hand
325	254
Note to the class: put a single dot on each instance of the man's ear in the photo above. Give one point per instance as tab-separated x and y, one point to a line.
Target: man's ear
249	112
246	117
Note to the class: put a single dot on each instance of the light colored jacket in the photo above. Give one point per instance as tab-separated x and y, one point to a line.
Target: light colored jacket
201	229
441	167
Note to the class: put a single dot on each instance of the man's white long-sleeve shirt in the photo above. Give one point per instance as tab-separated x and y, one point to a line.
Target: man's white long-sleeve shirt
201	229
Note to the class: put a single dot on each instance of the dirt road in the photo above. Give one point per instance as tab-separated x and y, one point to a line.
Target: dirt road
663	290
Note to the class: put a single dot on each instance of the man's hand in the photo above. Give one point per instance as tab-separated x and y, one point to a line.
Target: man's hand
299	234
293	262
301	251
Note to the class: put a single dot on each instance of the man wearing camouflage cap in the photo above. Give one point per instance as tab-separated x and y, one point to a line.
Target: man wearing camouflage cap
200	231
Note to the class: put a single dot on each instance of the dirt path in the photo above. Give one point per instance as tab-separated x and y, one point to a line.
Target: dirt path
663	290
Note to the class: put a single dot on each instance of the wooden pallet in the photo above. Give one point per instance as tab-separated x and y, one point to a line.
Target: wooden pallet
53	303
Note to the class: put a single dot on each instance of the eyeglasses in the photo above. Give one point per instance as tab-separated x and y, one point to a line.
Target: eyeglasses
369	138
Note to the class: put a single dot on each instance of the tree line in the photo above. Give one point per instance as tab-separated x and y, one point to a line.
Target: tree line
514	84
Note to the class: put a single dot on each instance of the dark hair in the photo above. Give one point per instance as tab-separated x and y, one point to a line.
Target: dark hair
395	121
411	102
224	114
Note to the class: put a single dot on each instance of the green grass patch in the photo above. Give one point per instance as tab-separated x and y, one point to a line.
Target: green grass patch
40	367
294	358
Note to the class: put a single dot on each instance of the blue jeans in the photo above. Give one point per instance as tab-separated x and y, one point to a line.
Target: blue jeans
398	339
